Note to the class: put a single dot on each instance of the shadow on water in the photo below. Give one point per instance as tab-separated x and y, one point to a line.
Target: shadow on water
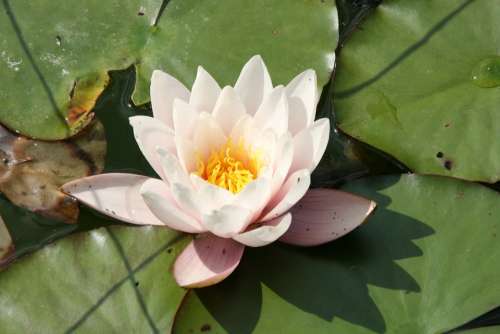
329	281
406	53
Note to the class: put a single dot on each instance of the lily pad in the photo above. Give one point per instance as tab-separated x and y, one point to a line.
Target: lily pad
32	171
221	35
425	262
57	70
413	94
112	279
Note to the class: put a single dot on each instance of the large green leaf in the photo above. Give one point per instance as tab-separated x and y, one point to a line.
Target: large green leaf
221	35
113	279
426	262
55	55
404	84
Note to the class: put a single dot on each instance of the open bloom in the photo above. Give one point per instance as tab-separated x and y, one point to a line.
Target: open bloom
235	166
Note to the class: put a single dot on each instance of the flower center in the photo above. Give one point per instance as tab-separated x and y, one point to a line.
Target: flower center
230	167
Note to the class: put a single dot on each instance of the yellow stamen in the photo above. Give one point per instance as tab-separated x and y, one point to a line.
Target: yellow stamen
231	167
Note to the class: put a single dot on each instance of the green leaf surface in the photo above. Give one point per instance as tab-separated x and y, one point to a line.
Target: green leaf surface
425	262
54	56
113	279
52	73
412	93
221	35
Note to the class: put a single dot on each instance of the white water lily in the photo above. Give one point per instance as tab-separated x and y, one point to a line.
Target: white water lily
235	166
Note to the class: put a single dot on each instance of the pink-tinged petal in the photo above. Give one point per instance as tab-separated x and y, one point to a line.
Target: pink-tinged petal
159	200
290	193
184	118
164	90
186	153
297	115
324	215
266	233
273	112
228	221
213	196
303	151
228	109
207	260
254	197
171	168
115	195
283	162
253	84
150	133
320	132
204	92
303	90
208	136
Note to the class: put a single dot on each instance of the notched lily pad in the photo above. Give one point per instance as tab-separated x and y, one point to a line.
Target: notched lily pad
32	171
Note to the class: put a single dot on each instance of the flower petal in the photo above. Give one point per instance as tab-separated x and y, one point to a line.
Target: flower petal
253	84
204	92
323	215
149	133
284	156
171	168
273	112
164	90
228	221
157	197
320	132
228	109
184	118
115	195
269	232
290	193
254	196
303	152
207	260
208	136
303	88
186	153
214	196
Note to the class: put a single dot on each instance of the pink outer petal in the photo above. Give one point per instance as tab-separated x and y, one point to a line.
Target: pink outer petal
265	234
324	215
207	260
115	195
150	133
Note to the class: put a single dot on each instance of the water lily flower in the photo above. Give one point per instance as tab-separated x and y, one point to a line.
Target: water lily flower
234	166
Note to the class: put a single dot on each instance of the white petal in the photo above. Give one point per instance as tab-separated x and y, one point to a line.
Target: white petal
149	133
273	112
115	195
208	136
254	196
253	84
269	232
303	88
186	153
172	169
303	151
164	90
284	156
297	115
215	197
228	109
320	132
227	221
290	193
157	197
184	117
204	92
187	199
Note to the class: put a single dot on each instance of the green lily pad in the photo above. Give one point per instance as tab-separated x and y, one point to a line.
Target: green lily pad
57	69
221	35
413	94
113	279
425	262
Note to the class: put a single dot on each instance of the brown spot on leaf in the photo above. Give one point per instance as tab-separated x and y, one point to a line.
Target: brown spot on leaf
448	164
205	328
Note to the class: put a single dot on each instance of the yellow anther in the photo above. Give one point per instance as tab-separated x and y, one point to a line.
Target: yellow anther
230	167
